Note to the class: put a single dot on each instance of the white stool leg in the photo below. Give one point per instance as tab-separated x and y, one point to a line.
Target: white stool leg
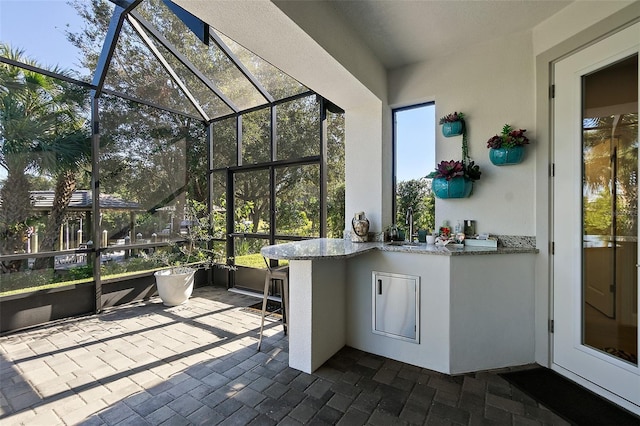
267	281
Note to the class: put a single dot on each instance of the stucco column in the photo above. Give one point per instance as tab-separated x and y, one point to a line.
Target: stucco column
367	166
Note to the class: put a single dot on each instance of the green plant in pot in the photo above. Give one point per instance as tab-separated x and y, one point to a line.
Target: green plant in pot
454	179
453	124
184	256
508	147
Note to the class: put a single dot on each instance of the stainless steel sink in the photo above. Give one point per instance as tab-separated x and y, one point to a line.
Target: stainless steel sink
402	244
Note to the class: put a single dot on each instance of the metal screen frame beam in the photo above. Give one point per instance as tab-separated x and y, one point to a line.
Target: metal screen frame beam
123	7
174	76
233	58
95	200
185	61
324	132
196	25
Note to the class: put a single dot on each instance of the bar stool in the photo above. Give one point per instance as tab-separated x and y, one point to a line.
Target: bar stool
280	275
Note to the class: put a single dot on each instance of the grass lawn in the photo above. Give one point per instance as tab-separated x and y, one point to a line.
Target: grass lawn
255	261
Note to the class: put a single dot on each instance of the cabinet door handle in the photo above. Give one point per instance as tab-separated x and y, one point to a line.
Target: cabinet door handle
379	286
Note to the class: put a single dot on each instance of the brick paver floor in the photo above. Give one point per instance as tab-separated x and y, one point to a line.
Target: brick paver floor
197	363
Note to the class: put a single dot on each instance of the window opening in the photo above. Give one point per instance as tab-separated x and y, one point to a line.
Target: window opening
414	157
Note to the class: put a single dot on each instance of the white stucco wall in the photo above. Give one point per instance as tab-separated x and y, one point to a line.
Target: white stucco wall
475	312
363	154
493	84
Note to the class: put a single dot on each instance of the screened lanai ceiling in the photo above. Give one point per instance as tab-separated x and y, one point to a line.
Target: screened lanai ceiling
198	71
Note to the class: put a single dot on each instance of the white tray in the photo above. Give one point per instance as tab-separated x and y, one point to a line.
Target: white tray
472	242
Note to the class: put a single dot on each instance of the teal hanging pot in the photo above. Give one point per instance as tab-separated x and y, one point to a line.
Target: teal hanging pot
506	156
458	187
451	129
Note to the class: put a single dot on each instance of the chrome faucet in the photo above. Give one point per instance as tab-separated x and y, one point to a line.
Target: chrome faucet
409	221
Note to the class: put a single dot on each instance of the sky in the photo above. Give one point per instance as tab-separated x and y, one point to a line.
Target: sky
37	27
415	142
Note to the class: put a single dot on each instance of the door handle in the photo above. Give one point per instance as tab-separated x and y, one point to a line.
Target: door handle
379	287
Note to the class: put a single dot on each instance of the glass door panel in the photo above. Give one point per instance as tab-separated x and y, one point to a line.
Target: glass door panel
252	225
610	210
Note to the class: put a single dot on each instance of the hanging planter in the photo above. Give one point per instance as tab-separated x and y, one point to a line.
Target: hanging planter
452	124
458	187
507	148
454	179
506	156
452	129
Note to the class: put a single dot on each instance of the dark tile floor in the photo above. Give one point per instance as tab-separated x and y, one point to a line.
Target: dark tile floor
197	363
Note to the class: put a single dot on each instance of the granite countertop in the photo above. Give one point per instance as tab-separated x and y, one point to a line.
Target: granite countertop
334	248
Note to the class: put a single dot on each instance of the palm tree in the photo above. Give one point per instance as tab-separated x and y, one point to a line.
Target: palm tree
44	130
19	126
63	156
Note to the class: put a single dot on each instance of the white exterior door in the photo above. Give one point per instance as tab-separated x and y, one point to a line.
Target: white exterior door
595	218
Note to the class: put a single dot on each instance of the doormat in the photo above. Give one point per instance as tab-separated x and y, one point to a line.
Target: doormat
273	309
572	402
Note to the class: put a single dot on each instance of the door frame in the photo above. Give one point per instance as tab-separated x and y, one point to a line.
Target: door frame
251	280
545	63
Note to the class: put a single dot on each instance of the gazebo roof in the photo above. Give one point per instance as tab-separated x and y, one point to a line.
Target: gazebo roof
81	200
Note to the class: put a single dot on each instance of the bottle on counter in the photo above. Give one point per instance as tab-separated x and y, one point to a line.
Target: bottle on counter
445	231
393	232
458	228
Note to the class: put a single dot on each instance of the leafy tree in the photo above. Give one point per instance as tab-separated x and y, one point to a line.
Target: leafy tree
416	193
601	149
597	214
150	156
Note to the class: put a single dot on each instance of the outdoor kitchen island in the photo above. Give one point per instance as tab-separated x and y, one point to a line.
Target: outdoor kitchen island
472	308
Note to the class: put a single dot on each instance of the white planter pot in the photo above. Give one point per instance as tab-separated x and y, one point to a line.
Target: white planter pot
175	286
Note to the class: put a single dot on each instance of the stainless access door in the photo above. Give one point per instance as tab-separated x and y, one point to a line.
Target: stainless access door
395	305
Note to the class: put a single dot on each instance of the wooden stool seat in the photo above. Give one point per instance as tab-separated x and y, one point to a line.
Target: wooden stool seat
279	274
